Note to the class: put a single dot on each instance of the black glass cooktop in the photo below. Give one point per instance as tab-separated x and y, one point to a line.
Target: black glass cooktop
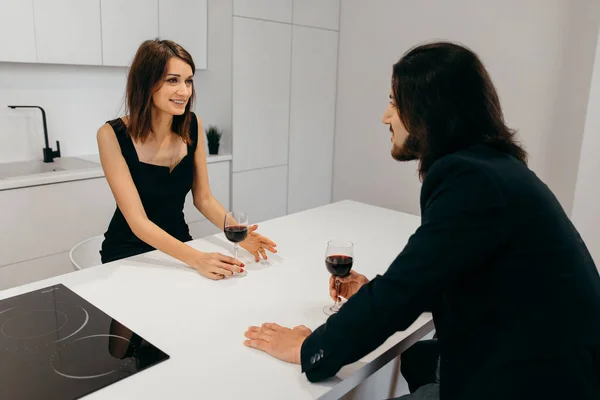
56	345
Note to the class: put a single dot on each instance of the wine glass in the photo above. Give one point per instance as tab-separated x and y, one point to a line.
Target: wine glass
339	257
236	231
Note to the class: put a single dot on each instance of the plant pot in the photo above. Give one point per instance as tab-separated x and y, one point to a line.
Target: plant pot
213	148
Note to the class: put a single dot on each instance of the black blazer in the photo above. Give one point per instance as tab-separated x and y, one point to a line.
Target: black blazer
514	293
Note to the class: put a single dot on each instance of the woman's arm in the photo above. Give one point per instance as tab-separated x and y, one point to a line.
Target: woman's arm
205	202
129	202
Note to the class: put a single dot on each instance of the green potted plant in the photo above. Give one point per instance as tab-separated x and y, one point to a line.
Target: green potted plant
213	136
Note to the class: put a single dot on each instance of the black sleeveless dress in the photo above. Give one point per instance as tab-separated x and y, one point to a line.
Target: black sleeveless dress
162	193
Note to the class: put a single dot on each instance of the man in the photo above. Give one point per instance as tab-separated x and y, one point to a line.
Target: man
514	293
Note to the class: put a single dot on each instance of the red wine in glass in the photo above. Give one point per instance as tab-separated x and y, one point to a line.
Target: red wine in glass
338	261
236	231
338	265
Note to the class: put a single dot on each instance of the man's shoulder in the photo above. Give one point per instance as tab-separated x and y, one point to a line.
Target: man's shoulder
476	161
474	170
463	162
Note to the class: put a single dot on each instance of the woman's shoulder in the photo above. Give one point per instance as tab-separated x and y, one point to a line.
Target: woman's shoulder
119	121
118	125
114	127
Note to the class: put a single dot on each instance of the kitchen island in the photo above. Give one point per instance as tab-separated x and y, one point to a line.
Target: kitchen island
200	323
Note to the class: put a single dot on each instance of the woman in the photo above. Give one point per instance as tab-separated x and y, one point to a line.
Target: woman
153	157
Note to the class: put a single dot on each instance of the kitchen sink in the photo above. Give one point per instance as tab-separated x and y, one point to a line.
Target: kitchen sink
35	167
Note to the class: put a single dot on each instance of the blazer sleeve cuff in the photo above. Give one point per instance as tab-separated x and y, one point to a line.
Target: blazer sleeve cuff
316	357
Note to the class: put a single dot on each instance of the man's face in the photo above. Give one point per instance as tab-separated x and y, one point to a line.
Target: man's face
402	147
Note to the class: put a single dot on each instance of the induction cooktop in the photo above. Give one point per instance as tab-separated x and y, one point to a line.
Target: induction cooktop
56	345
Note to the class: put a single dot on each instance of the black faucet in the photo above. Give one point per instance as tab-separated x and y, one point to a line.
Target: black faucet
49	154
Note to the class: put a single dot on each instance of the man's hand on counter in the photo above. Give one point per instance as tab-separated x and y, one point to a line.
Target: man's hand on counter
278	341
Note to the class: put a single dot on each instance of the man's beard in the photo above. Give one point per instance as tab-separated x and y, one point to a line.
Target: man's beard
409	150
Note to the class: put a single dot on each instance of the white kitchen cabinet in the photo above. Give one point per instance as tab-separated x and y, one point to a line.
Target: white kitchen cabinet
218	177
261	193
185	22
312	117
261	90
42	220
317	13
272	10
34	270
125	25
203	228
68	31
17	31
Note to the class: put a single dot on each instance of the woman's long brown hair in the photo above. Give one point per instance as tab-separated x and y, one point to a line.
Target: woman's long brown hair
145	77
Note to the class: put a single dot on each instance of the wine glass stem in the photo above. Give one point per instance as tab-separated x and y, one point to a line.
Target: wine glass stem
235	247
337	290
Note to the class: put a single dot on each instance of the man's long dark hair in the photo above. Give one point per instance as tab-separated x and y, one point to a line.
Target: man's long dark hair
447	102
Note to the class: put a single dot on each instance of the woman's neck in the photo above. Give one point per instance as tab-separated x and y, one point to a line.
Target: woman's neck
161	124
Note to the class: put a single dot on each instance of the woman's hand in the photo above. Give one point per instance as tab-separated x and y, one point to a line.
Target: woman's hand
348	285
278	341
256	244
216	266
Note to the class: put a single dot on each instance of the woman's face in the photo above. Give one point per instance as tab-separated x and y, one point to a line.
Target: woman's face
176	89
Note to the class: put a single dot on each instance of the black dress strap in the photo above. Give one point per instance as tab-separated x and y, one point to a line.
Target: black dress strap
127	147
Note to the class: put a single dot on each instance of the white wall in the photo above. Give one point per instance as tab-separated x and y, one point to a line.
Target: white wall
586	207
539	54
79	99
571	105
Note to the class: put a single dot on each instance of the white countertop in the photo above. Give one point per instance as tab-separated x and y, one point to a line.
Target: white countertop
200	323
93	171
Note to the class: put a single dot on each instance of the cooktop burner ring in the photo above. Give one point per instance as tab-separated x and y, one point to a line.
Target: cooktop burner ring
92	376
64	321
85	322
29	313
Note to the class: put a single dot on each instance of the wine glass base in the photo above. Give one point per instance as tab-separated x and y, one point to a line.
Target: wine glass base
239	274
330	310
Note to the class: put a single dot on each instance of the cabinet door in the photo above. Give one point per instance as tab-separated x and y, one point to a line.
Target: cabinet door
185	22
35	270
203	228
68	31
312	117
49	219
16	31
125	25
261	92
317	13
270	10
261	193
